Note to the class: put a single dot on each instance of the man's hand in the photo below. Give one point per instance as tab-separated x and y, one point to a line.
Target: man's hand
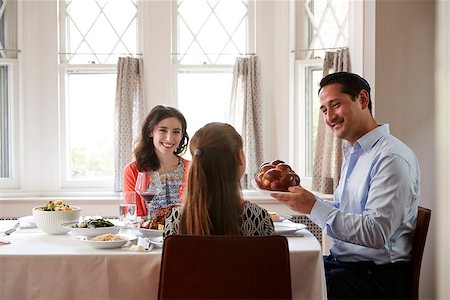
298	199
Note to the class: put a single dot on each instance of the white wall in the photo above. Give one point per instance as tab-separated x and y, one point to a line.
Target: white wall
405	97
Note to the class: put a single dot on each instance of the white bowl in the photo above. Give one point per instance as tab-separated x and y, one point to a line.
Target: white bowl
50	221
90	231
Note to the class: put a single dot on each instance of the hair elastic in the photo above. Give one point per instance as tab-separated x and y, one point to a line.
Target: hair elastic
197	152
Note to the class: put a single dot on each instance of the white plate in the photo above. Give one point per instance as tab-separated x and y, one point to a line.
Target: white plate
288	227
90	231
150	232
157	241
280	217
266	192
109	244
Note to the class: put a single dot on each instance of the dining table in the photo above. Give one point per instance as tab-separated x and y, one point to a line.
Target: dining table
37	265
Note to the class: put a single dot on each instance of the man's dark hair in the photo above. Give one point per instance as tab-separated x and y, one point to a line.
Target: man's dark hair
351	84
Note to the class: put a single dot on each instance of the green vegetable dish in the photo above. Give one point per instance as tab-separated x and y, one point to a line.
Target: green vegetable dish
93	223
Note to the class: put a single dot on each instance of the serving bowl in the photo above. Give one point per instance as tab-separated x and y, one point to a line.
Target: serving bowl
50	221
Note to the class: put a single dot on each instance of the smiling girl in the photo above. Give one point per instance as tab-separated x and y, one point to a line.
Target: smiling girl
163	139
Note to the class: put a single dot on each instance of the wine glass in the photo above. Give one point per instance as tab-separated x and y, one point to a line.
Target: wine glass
148	185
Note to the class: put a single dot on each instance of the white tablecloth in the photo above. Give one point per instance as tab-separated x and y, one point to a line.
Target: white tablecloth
40	266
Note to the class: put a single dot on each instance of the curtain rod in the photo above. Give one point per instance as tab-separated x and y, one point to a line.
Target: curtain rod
316	49
111	53
11	50
249	53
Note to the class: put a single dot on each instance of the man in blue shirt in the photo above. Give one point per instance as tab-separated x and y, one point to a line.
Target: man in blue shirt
373	216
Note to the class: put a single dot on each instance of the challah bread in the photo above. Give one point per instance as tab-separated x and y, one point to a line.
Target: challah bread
276	176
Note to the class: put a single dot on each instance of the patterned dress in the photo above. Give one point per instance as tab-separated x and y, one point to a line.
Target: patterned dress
170	182
255	221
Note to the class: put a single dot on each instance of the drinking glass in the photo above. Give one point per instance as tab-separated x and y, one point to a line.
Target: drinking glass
148	185
127	209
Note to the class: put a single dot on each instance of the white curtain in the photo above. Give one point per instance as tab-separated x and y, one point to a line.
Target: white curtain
246	112
129	113
328	156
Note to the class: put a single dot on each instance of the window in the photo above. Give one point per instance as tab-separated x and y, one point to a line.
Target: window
208	36
94	34
321	25
5	120
8	108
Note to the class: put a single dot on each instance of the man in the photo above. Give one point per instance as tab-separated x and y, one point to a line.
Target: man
373	215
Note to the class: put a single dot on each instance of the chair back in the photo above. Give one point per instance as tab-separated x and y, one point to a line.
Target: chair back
225	267
420	236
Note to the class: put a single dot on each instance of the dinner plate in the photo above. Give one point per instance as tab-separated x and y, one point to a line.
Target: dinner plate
150	232
288	227
77	231
157	241
276	217
266	192
108	244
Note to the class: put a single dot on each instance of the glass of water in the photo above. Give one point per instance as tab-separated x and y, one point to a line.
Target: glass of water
127	208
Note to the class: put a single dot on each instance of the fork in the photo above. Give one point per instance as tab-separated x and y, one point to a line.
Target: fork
14	228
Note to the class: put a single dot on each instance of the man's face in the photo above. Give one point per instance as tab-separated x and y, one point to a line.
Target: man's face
340	113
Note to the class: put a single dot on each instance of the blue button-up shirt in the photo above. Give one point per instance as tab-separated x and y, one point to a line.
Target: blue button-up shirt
374	211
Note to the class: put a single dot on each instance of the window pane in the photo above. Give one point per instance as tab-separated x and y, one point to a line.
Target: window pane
5	122
90	129
211	32
204	97
100	30
327	25
316	76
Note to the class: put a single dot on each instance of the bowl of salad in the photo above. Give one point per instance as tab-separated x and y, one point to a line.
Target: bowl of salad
91	227
49	218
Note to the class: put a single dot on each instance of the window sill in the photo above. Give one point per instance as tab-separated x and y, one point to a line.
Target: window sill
107	204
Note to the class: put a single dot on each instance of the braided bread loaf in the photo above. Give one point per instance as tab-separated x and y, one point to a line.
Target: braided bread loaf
276	176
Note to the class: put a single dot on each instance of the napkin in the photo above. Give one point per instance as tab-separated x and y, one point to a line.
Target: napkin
140	245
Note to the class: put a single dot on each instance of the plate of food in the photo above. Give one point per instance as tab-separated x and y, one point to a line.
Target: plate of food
108	241
275	177
92	227
288	227
154	227
276	217
266	192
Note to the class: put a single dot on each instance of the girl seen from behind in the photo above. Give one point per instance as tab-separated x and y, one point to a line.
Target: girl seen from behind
162	141
214	204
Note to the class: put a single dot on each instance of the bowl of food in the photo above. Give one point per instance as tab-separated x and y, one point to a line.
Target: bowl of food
91	227
50	217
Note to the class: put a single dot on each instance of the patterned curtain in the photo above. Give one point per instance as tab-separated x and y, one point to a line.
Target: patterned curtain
328	156
245	112
129	113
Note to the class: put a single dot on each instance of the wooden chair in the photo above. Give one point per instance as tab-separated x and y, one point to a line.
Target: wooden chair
420	236
225	267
